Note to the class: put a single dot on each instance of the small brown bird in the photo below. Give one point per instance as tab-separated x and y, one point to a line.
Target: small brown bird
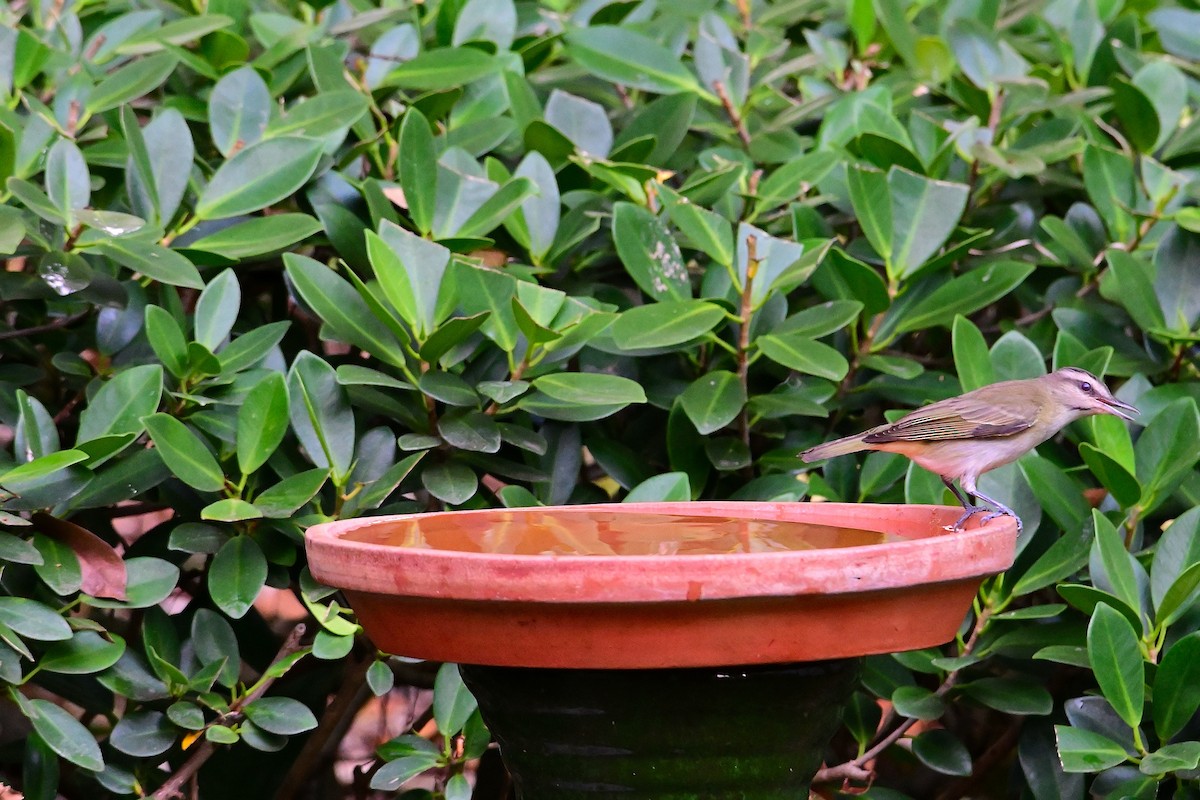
962	437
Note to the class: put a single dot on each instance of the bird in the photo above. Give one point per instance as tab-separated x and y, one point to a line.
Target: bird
960	438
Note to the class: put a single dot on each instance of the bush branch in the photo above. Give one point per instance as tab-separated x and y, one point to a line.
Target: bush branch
173	788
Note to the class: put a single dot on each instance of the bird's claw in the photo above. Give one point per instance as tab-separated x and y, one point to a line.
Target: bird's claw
973	510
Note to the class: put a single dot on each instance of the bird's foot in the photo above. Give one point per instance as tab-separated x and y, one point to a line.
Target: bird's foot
1003	512
970	512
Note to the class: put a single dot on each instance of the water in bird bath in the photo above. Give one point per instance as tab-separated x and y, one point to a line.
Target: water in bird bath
613	533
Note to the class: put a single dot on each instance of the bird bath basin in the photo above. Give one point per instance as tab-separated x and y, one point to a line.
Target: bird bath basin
661	650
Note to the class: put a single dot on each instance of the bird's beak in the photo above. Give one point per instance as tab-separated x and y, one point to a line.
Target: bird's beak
1118	408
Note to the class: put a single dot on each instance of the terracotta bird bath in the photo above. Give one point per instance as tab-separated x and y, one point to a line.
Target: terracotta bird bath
661	650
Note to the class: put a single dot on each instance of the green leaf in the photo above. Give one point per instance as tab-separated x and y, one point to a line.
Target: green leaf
1117	662
666	488
962	295
1109	178
1011	695
1178	757
184	453
441	69
33	620
217	309
1166	452
257	236
470	430
143	734
68	184
130	82
918	702
924	213
971	359
40	468
176	32
624	56
804	355
166	338
649	252
262	174
453	704
290	494
713	400
705	230
153	260
942	751
497	209
1117	562
320	115
380	678
665	324
590	388
342	308
321	413
236	575
215	642
282	715
231	509
418	169
63	733
1177	686
149	582
261	423
410	270
1083	751
1060	496
820	320
451	482
84	653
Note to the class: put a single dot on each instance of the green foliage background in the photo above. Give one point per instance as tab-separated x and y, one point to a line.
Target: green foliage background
272	263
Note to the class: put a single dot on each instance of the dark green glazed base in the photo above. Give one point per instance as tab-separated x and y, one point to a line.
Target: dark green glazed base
720	733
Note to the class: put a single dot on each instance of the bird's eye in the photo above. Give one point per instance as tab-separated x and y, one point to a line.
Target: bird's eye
1085	386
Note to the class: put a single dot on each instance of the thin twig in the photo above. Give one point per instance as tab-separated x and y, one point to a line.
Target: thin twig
731	111
173	788
743	348
858	769
61	322
338	714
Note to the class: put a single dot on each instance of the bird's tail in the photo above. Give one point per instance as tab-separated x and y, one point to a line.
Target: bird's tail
838	447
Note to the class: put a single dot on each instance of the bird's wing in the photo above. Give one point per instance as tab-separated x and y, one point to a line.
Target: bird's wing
956	418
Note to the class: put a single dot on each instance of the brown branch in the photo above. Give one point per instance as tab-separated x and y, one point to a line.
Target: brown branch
173	788
743	348
993	124
858	769
61	322
739	124
337	716
998	750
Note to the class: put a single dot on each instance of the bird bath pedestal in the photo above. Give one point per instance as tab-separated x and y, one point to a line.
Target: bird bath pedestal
661	671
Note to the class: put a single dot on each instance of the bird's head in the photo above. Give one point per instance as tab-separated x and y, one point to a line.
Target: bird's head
1082	393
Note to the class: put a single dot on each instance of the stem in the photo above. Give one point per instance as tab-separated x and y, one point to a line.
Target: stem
739	124
993	124
61	322
857	769
174	786
743	348
334	721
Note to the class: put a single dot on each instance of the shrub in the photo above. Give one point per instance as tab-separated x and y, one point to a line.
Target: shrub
275	263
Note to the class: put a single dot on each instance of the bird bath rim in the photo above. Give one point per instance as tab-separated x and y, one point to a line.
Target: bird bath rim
928	553
651	612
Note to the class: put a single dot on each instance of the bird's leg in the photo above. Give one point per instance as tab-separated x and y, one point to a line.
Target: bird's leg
1001	510
968	505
